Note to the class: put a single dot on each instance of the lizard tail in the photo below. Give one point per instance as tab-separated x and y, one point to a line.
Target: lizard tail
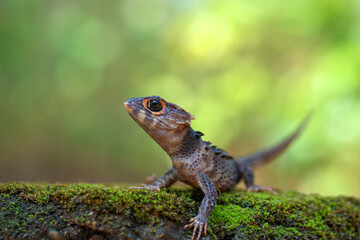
267	155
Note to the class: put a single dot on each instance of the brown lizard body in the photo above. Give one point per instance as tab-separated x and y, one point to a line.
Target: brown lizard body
196	162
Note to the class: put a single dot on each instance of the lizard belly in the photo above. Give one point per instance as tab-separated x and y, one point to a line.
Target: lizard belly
186	173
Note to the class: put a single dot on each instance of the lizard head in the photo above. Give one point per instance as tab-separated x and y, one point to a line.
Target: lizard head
165	122
156	113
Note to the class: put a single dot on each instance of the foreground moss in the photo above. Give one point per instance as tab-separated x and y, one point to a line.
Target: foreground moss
82	211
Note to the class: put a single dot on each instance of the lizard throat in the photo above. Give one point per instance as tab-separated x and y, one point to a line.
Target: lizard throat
172	140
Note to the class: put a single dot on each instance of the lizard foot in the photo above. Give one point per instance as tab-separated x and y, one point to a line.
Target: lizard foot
200	226
147	187
257	188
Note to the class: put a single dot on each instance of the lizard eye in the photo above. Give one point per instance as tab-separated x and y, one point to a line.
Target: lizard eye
154	105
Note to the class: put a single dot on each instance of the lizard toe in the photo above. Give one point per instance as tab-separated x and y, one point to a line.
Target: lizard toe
199	228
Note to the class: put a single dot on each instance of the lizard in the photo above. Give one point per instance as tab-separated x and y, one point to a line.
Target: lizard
196	162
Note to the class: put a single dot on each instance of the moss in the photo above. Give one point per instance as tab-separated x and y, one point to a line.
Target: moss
116	212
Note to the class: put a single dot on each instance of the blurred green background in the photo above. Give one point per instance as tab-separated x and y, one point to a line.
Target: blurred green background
248	70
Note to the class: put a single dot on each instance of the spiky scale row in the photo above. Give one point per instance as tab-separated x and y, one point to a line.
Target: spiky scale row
196	162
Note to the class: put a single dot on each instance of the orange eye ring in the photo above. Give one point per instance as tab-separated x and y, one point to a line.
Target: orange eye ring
147	104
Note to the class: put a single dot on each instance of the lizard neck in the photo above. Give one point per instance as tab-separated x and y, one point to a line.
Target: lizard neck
172	140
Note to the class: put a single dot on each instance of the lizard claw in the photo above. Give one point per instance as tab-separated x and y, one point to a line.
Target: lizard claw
200	226
257	188
147	187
